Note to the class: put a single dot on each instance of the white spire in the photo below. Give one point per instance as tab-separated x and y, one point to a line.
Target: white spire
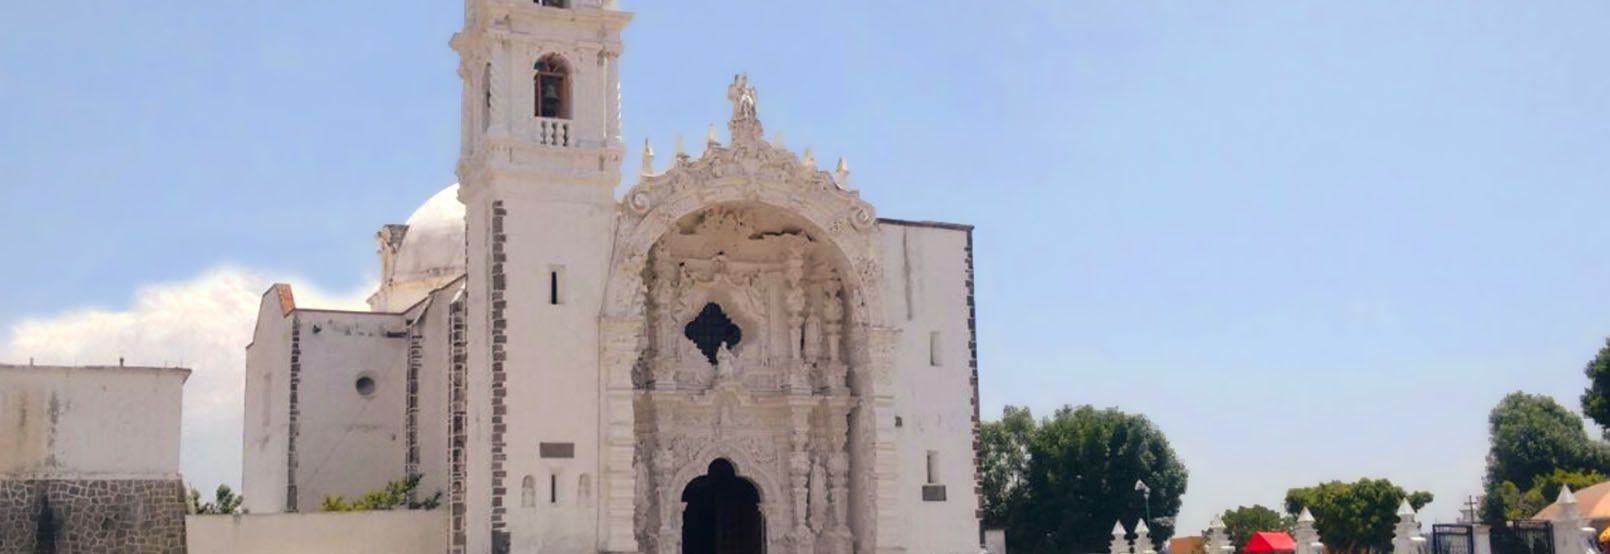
1306	516
810	158
1405	509
1118	529
710	136
843	174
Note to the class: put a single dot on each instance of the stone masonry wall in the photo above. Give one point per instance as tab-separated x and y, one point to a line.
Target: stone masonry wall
82	516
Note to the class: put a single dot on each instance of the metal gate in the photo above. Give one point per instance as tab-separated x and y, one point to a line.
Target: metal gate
1450	538
1532	536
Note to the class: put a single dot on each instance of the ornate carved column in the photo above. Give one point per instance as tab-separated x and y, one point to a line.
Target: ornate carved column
838	478
618	344
794	303
663	294
799	469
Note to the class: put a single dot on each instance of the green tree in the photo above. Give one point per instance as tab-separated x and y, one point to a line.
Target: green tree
1596	399
393	495
1532	438
1004	457
1060	483
225	502
1507	502
1354	518
1243	521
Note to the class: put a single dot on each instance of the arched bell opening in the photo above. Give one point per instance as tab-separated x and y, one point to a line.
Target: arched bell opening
722	513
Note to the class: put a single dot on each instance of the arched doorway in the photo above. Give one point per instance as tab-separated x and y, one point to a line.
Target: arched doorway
723	514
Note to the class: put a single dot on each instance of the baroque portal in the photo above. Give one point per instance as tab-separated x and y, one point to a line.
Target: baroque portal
743	369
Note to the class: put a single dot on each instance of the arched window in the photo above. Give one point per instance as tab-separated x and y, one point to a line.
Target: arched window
552	87
528	492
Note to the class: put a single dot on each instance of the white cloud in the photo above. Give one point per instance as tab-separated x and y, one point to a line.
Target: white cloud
203	324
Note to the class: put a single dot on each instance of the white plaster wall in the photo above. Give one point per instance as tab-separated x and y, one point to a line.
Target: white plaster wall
928	265
390	532
435	362
267	399
552	369
349	443
90	422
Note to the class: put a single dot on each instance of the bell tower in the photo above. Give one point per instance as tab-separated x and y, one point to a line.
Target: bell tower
539	161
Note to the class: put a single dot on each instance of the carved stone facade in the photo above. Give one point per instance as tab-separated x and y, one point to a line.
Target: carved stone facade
775	403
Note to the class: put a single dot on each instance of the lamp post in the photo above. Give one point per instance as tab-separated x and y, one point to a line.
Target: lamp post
1146	496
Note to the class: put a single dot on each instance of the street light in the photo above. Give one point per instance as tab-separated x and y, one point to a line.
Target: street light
1146	495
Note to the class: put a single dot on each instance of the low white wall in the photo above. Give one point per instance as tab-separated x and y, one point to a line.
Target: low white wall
391	532
90	422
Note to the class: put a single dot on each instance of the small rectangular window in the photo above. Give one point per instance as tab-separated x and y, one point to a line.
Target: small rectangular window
555	293
933	349
553	488
933	467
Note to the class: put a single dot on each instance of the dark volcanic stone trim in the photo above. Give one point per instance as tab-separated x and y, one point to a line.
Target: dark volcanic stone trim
416	355
143	516
972	366
457	429
499	305
295	412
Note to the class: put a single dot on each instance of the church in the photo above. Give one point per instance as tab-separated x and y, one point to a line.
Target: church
737	355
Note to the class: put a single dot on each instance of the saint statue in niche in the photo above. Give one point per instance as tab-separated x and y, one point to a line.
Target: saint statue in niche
726	364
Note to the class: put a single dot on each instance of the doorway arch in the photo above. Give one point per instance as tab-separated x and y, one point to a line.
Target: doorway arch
722	514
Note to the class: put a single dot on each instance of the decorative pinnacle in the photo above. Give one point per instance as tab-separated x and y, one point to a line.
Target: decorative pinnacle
1566	497
1140	528
648	159
843	174
710	137
1118	529
810	158
1217	523
777	140
1406	510
1306	516
681	148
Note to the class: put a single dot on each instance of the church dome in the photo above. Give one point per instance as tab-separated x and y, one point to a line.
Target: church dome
421	255
433	246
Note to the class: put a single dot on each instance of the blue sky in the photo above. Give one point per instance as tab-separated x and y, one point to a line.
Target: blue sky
1311	240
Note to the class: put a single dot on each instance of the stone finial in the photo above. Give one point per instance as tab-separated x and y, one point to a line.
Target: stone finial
842	174
1119	544
1307	538
777	140
1566	496
710	136
1143	538
648	159
681	148
1406	537
810	158
1218	539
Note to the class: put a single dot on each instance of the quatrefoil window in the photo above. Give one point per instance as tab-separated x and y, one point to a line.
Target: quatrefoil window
711	329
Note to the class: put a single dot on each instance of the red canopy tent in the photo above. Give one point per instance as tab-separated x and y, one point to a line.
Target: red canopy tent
1270	541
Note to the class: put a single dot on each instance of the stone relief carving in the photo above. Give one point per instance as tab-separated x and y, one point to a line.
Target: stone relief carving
792	259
